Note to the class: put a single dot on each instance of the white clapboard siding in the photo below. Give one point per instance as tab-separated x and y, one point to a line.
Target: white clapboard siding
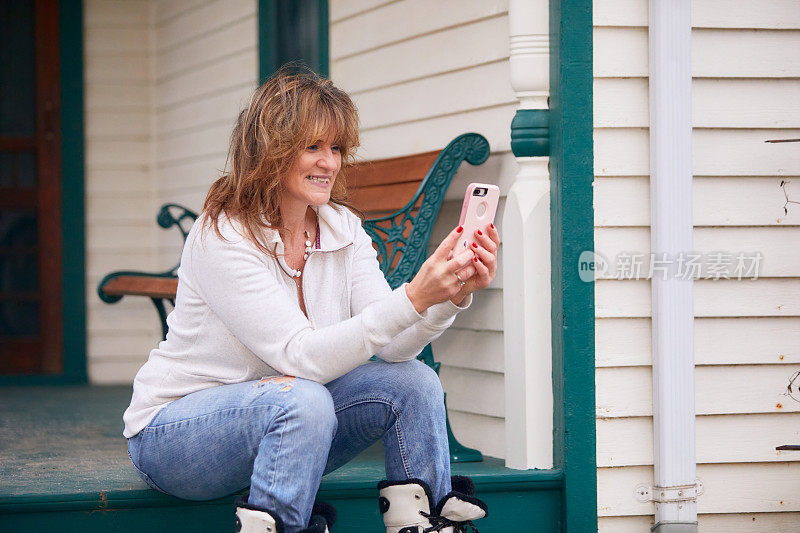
130	314
461	47
202	19
104	14
472	349
740	488
474	391
716	53
218	109
116	69
736	389
118	188
121	237
715	152
207	80
443	67
131	345
379	27
341	9
118	125
192	144
100	262
115	180
780	258
164	10
710	523
716	201
106	208
127	42
484	433
118	155
434	133
716	103
116	98
746	333
485	313
212	46
113	372
719	439
717	341
768	14
206	68
433	96
712	298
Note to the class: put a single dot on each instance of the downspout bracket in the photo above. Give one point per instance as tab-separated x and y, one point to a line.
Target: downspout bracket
677	493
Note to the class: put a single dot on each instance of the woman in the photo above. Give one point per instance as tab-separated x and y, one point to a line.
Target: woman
262	379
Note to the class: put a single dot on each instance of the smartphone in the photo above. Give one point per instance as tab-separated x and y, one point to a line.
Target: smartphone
480	206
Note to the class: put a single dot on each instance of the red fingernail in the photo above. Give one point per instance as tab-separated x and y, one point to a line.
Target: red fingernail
459	229
475	259
474	245
492	225
479	232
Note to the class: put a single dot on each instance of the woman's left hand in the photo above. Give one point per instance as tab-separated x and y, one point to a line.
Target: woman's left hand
485	262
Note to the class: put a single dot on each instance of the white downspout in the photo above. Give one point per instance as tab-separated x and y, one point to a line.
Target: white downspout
675	490
526	247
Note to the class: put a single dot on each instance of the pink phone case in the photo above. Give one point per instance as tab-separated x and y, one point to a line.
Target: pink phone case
480	206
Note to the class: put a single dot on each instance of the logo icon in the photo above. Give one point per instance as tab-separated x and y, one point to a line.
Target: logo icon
591	265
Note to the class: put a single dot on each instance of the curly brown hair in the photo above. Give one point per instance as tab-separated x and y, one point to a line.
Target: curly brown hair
291	110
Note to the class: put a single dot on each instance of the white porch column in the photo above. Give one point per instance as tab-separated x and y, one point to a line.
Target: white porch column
526	247
675	490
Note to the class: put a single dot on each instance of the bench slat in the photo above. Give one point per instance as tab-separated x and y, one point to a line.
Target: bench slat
387	171
142	286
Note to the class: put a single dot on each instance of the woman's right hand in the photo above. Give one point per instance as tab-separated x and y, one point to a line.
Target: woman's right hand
436	280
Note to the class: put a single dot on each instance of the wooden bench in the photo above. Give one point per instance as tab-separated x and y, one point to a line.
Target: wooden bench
400	196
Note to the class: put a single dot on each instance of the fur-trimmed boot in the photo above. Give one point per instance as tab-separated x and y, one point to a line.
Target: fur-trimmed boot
253	519
407	507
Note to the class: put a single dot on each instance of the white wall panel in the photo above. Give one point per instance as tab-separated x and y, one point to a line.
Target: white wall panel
716	103
716	201
400	21
118	190
720	439
768	14
740	488
456	48
718	341
719	390
745	71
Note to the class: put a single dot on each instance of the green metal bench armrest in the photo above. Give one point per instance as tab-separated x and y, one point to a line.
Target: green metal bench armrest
421	211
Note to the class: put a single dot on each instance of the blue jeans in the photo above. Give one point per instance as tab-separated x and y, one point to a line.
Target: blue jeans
281	434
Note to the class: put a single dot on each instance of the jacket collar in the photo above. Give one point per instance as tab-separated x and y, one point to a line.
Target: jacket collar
333	227
333	234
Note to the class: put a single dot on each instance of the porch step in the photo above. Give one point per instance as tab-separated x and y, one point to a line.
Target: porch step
64	467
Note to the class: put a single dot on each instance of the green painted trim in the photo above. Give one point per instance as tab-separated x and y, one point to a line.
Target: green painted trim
572	227
72	190
268	61
323	60
267	54
530	133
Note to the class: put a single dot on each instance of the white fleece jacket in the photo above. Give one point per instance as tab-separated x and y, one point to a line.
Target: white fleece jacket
237	317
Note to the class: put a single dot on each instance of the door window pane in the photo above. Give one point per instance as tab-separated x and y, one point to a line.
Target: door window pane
17	81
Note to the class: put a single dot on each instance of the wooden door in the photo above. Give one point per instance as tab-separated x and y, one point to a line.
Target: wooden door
30	189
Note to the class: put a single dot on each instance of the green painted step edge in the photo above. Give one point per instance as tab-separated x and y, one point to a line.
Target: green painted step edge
524	481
